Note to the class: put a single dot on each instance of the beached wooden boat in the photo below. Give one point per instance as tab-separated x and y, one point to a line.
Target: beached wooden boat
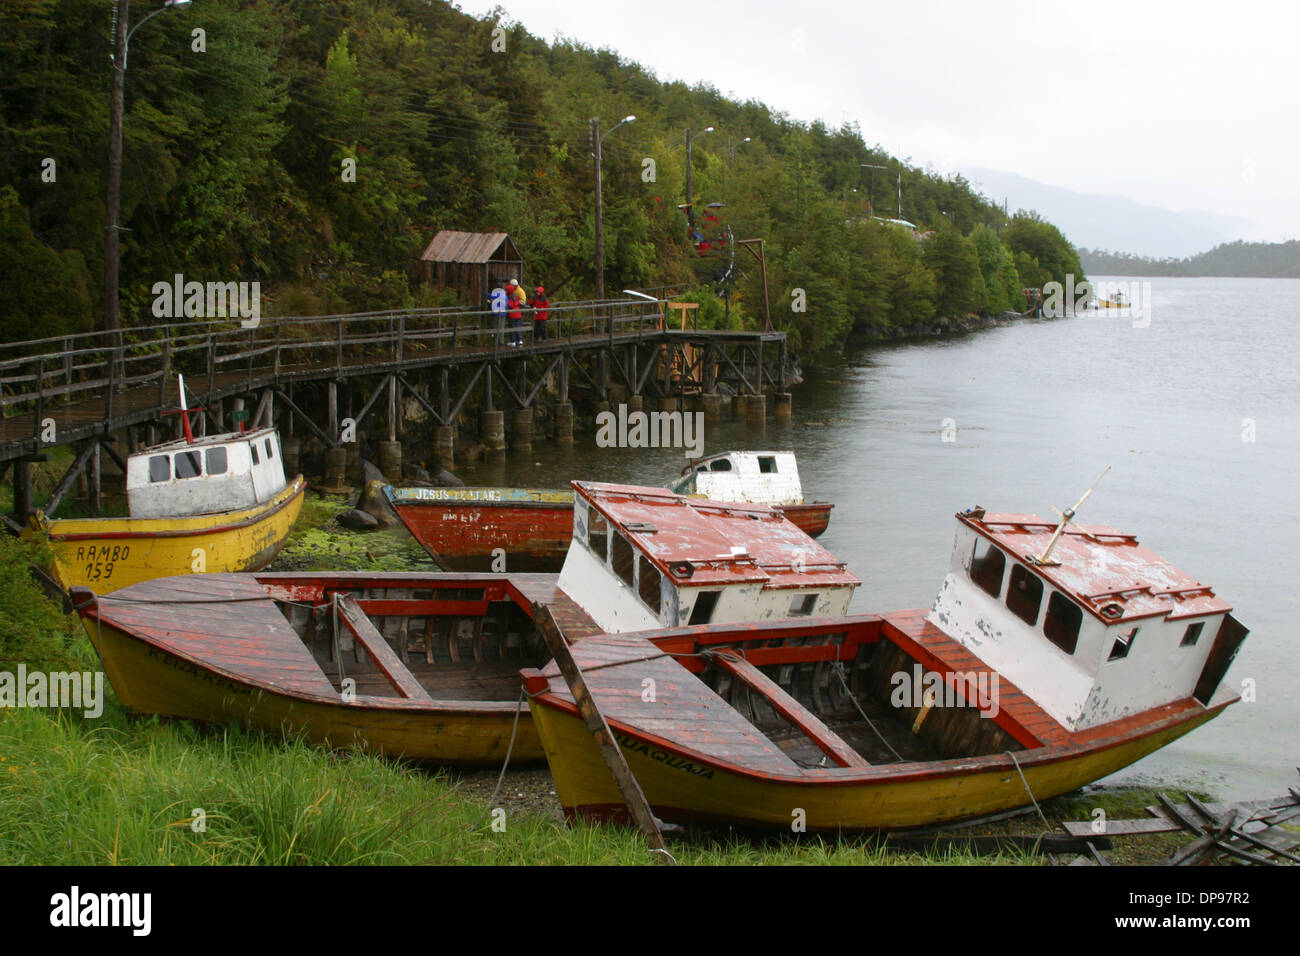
469	529
434	659
421	666
1051	658
197	504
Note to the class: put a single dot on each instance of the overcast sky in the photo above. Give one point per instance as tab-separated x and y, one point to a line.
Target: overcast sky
1187	105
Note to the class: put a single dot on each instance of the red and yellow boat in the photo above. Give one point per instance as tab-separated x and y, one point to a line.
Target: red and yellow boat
1052	657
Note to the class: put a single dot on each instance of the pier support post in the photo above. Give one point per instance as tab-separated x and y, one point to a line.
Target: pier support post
755	407
635	403
445	446
782	405
336	463
670	403
353	450
494	431
521	432
291	447
711	406
564	423
390	460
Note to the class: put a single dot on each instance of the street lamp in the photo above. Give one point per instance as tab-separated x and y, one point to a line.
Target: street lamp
122	40
596	140
690	200
731	150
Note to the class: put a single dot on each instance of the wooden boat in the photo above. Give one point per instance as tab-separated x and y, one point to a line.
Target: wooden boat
1033	673
434	659
205	504
421	666
467	529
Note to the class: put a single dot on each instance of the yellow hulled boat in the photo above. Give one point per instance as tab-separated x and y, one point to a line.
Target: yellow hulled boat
207	504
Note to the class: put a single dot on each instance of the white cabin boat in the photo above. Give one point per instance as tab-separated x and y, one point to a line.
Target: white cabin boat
758	477
228	472
1101	630
645	558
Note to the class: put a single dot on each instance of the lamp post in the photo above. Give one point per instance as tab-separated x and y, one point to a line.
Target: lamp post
596	140
122	42
690	200
731	151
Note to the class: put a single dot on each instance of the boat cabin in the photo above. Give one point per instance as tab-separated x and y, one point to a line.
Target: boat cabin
226	472
1100	630
760	477
644	558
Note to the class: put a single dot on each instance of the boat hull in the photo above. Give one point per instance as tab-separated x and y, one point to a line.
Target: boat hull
150	680
493	529
111	553
685	787
526	535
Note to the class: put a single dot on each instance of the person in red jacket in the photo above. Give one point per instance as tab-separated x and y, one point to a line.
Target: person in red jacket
541	306
515	313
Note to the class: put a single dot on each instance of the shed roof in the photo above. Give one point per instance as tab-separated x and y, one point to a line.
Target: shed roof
451	246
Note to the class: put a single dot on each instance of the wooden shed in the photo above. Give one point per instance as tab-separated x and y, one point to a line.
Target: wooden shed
471	263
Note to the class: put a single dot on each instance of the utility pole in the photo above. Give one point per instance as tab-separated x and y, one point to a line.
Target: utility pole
596	139
690	198
600	222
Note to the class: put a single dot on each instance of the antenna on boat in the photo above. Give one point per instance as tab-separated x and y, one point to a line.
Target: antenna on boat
1066	517
183	411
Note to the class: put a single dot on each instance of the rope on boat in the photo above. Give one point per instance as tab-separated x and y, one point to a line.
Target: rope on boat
509	749
1027	790
839	672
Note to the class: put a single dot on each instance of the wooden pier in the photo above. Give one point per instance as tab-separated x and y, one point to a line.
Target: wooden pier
90	389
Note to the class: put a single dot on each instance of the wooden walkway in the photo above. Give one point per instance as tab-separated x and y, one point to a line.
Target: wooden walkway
87	386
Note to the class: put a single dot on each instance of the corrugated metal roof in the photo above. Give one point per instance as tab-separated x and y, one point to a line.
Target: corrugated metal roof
1099	565
725	542
451	246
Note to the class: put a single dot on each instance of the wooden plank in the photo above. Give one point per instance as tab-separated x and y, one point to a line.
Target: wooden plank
600	732
389	664
789	708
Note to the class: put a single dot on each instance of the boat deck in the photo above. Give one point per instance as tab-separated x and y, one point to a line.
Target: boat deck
683	710
1018	714
227	622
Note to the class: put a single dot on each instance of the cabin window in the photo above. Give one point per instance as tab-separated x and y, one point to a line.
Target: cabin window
987	565
705	603
722	464
767	464
160	468
216	460
1123	644
1024	594
270	453
648	583
598	535
622	558
253	448
189	464
801	605
1062	622
1192	634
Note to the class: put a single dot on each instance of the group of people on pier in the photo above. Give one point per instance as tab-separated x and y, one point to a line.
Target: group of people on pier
513	301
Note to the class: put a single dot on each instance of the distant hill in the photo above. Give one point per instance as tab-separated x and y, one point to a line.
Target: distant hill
1110	222
1248	259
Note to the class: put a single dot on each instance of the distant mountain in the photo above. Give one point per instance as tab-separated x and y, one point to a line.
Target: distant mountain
1110	222
1254	259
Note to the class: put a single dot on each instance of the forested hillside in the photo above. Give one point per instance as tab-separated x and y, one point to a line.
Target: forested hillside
241	115
1254	259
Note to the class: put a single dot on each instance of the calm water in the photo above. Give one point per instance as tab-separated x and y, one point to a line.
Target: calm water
1040	409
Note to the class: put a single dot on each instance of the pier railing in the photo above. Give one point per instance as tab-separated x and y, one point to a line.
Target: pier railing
40	376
